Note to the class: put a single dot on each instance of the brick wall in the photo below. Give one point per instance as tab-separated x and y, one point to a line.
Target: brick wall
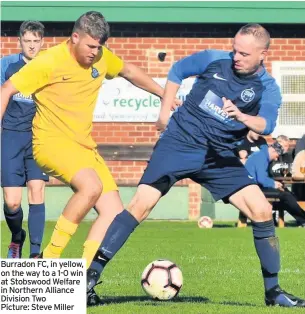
143	52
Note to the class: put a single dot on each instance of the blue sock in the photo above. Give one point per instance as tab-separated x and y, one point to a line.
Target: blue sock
117	234
36	223
267	248
14	221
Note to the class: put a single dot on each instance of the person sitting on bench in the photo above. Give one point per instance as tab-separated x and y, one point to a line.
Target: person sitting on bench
251	143
257	165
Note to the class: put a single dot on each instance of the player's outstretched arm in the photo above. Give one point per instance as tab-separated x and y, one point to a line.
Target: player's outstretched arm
170	92
7	91
139	78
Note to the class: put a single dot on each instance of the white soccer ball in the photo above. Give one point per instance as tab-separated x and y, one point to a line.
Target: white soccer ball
205	222
162	280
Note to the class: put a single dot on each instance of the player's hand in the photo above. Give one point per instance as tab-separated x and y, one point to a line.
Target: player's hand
161	124
278	185
162	120
177	103
232	110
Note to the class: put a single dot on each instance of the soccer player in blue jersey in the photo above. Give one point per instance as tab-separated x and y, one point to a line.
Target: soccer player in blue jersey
18	167
233	94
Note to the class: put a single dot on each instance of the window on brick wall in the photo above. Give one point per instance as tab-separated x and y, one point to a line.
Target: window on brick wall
290	76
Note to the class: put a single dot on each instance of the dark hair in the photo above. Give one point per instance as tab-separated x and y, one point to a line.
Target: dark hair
34	27
258	31
94	24
278	148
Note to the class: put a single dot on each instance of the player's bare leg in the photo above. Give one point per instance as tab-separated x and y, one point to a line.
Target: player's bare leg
14	217
252	202
87	189
144	200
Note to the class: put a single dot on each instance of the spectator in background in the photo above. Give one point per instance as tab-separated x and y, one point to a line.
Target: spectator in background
18	168
257	166
298	163
251	143
282	166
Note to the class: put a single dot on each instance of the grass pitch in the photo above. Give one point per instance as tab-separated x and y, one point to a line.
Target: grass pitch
220	268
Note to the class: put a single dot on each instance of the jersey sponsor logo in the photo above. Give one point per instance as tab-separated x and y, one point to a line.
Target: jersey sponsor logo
217	77
21	97
213	104
247	95
65	78
95	73
250	177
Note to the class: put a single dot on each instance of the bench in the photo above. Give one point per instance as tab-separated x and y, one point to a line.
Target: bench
242	219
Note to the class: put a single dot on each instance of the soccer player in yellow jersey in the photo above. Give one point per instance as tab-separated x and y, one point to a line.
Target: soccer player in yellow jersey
65	81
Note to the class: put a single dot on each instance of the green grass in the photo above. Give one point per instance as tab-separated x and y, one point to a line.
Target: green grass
220	268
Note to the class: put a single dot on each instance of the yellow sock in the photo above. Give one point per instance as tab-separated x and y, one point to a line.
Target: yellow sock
62	234
90	248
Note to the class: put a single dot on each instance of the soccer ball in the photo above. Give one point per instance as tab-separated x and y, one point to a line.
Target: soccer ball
162	280
205	222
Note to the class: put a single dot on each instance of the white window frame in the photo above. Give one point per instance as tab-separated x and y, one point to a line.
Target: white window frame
292	131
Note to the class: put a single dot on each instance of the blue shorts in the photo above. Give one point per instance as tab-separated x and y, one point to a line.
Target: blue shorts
17	163
221	173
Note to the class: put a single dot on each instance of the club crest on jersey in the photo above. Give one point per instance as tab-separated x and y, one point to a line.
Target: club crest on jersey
95	73
247	95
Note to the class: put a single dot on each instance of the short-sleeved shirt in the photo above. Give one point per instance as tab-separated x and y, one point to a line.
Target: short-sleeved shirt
21	109
6	61
65	92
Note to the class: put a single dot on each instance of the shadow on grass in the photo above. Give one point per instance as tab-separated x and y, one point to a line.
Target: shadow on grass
235	303
222	225
289	224
148	301
145	300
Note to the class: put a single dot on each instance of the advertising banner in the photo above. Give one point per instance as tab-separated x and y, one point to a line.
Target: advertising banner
120	101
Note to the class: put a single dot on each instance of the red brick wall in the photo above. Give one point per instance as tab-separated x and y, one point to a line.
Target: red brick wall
143	52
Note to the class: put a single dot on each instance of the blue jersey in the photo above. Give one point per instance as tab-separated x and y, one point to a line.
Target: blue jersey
257	165
21	109
201	120
5	62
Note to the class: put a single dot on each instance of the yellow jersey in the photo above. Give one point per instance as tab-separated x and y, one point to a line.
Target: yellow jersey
65	92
